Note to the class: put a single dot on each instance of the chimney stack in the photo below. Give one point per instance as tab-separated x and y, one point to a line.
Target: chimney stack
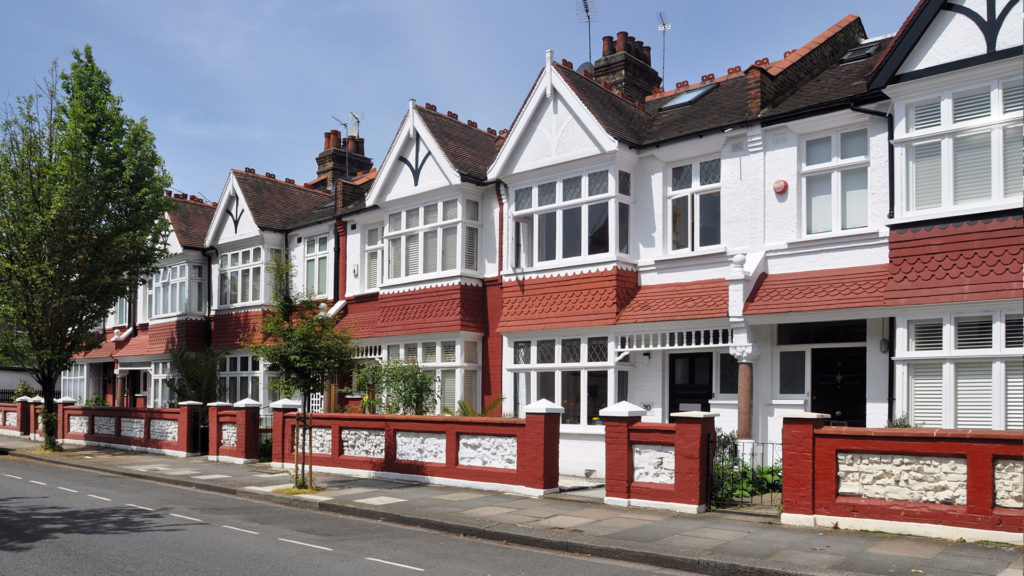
625	65
341	159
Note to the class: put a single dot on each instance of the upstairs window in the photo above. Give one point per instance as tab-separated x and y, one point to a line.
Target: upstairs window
373	255
241	276
571	218
964	147
170	292
695	205
428	240
316	266
835	181
122	312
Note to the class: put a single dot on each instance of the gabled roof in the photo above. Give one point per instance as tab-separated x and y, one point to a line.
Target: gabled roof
620	118
469	149
278	205
910	32
190	220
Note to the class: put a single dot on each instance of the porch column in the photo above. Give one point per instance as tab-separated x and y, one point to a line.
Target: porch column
744	355
119	388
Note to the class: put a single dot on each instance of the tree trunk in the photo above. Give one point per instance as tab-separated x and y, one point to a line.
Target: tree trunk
296	431
48	384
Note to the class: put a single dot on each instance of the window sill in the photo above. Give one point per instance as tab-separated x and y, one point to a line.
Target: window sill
836	237
976	210
788	401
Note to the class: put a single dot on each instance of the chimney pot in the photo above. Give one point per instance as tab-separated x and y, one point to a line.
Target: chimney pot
327	140
359	145
647	55
193	198
608	48
335	138
620	41
504	132
566	63
431	107
453	115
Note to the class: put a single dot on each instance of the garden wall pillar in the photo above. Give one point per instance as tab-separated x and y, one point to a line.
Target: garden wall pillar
798	461
248	426
694	430
618	458
281	436
539	453
24	415
188	427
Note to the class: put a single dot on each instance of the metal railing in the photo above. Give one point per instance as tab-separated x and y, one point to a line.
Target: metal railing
745	473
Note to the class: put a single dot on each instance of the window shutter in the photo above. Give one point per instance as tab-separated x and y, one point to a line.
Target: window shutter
449	399
412	254
1014	333
372	269
1013	161
448	352
469	388
971	106
395	258
974	333
925	335
927	115
449	240
972	168
926	395
974	395
471	237
926	175
1014	394
430	251
1013	97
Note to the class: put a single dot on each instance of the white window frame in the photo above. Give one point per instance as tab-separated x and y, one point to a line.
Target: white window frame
834	168
950	356
74	382
162	396
408	231
524	241
121	314
232	267
691	194
375	250
463	363
527	374
167	291
243	368
944	134
316	254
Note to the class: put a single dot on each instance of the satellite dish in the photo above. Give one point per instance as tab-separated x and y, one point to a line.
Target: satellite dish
585	67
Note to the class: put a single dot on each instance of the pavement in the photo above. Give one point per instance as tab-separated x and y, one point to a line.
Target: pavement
575	520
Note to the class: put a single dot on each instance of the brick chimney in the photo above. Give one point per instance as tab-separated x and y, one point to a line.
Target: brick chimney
625	64
341	159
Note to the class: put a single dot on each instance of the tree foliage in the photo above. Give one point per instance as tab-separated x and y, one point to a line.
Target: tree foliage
198	375
396	387
81	217
304	344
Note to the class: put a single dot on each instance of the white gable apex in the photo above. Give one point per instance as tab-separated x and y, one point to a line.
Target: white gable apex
959	30
414	164
233	219
554	127
172	244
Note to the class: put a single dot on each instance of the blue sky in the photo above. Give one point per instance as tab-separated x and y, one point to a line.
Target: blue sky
234	84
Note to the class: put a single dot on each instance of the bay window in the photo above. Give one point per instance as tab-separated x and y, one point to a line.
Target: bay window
835	181
175	289
240	377
570	218
964	147
241	276
316	266
426	240
695	205
963	370
455	365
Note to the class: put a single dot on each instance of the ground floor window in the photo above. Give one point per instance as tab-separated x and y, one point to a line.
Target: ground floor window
454	363
73	382
240	377
163	396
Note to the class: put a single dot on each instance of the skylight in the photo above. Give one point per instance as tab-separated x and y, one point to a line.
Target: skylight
688	96
859	53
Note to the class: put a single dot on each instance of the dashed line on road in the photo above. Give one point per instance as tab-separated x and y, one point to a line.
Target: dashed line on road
305	544
186	517
67	489
140	507
394	564
239	529
13	476
99	497
38	482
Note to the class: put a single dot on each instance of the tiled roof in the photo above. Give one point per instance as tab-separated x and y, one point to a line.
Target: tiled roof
161	338
856	287
964	261
723	105
104	352
576	300
838	82
469	149
679	301
901	38
620	118
435	309
278	205
191	220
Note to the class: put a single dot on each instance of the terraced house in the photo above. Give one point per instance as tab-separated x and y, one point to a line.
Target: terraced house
838	230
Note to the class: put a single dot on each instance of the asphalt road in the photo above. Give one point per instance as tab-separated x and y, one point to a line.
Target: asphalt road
60	520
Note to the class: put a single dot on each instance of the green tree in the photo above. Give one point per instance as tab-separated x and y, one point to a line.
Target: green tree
81	218
307	346
198	375
396	387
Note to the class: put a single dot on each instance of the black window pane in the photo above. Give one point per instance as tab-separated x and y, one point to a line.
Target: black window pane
624	183
823	332
624	228
597	215
546	235
791	372
571	397
710	219
572	232
597	394
728	374
570	350
545	351
682	177
710	172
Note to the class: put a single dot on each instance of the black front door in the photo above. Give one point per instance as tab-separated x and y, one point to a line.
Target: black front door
839	384
689	384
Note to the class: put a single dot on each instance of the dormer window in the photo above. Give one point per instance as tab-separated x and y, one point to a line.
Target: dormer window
428	240
570	218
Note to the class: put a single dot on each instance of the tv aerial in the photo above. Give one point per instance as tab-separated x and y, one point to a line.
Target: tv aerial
586	12
664	27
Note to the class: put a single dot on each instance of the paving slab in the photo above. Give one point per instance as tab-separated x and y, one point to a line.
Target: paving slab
912	547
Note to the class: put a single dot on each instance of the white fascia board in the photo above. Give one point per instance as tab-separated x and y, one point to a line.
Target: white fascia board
411	126
533	102
230	185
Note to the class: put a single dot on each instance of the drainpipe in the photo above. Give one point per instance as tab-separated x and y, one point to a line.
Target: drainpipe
892	152
498	185
209	291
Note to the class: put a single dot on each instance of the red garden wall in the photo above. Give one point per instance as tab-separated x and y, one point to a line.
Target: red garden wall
516	454
235	431
162	430
931	482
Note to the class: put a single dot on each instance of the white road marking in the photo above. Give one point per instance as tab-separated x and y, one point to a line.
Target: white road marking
38	482
67	489
304	544
239	529
394	564
13	476
99	497
186	517
140	507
